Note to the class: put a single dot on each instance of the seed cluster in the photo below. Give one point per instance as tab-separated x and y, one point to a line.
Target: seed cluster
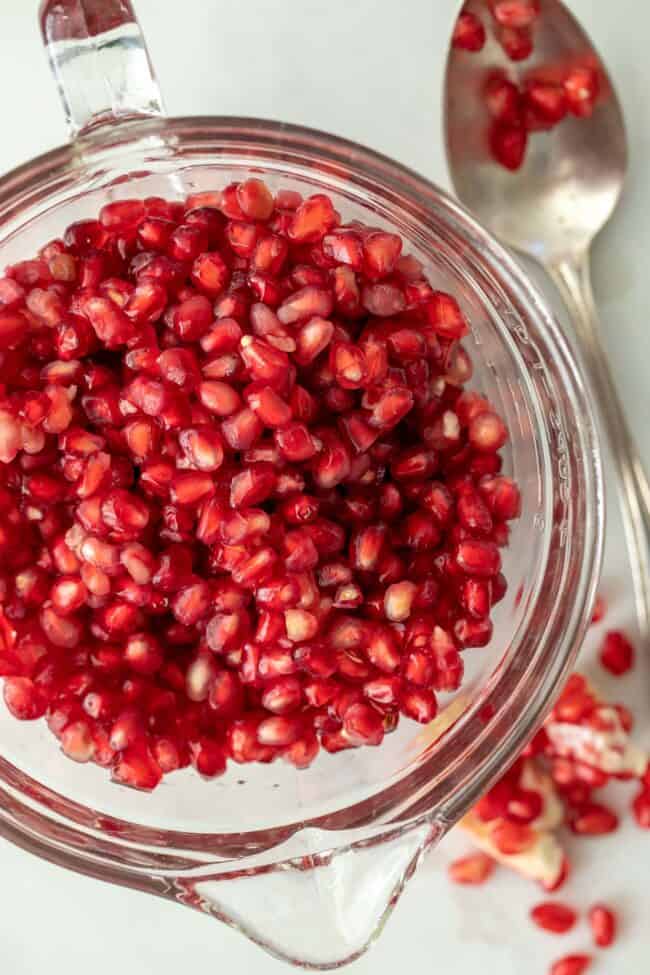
546	96
246	507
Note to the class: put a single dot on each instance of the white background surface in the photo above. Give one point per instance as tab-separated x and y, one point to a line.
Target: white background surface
369	70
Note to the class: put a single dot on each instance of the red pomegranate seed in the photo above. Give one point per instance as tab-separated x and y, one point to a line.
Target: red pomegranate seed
512	839
469	33
210	274
594	819
571	965
603	925
582	87
617	655
517	42
363	725
137	768
503	100
508	144
143	654
547	103
208	757
25	700
313	219
203	447
554	917
419	704
68	595
398	601
77	741
515	13
474	869
478	558
383	299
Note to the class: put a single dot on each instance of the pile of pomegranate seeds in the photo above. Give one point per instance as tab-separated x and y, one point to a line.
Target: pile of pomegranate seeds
538	101
246	508
584	745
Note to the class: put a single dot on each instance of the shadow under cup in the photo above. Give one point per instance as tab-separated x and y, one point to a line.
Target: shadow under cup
333	843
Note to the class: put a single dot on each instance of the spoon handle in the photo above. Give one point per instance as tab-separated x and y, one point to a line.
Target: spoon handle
573	279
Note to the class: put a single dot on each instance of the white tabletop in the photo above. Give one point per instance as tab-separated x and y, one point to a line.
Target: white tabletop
369	70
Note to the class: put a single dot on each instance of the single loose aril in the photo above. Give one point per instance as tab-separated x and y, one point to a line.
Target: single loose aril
603	925
571	965
617	654
473	870
247	510
469	33
554	917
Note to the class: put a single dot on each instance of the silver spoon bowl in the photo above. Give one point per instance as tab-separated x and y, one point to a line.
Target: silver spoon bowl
551	209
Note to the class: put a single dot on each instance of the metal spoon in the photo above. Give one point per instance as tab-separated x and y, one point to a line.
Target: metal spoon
551	210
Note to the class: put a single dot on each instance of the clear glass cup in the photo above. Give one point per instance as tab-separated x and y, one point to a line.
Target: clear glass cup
310	863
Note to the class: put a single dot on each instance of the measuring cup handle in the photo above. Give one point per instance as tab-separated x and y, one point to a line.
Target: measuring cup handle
100	62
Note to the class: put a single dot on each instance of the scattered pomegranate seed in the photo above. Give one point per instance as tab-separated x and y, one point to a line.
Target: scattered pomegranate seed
582	87
515	13
221	499
603	925
594	820
617	654
469	33
508	144
474	869
512	839
517	42
571	965
547	103
554	917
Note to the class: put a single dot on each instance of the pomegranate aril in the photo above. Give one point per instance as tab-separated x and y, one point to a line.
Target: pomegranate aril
210	274
398	601
77	741
419	704
545	104
191	488
617	655
503	100
137	768
515	13
312	219
554	917
512	839
225	694
603	925
208	757
594	819
363	725
571	965
469	33
582	87
279	731
474	869
508	143
24	699
301	753
517	42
